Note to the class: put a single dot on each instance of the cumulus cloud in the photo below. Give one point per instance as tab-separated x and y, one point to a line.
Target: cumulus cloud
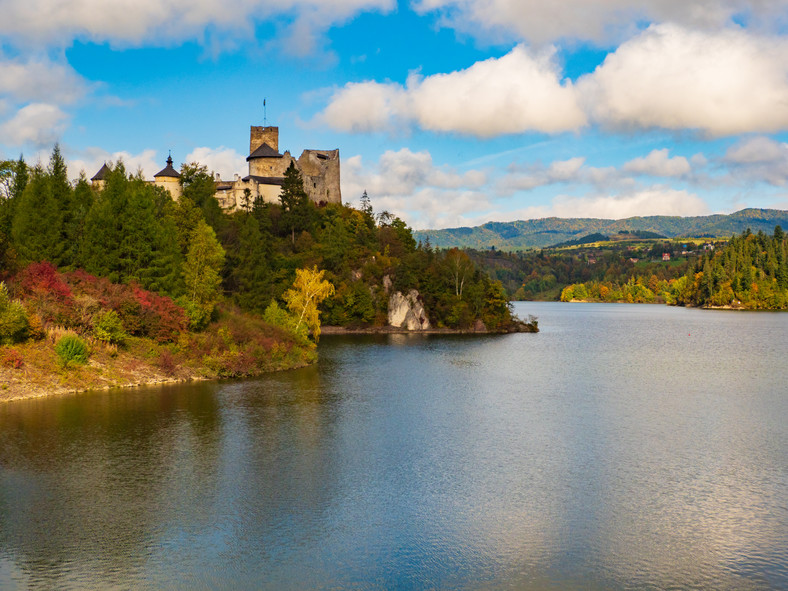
90	160
366	107
428	195
722	82
537	175
658	163
651	201
409	184
574	171
521	91
758	159
37	124
655	200
225	161
39	79
600	21
120	22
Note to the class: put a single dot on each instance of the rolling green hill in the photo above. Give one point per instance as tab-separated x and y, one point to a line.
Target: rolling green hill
525	234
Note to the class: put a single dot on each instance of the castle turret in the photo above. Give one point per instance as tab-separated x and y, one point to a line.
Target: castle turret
100	178
170	179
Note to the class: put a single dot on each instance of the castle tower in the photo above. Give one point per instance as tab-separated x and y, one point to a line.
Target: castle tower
170	179
264	158
100	178
263	135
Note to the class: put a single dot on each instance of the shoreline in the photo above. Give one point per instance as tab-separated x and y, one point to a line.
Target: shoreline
343	330
126	370
39	375
33	391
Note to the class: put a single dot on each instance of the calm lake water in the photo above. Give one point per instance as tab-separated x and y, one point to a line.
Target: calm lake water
624	446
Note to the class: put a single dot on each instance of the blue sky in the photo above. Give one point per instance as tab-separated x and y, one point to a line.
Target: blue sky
448	112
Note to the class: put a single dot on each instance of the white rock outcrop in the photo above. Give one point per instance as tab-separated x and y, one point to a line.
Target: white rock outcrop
407	311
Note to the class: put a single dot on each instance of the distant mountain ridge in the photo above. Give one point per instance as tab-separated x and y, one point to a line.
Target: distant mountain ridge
541	233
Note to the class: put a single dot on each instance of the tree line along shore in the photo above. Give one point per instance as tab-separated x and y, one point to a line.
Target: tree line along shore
748	271
124	285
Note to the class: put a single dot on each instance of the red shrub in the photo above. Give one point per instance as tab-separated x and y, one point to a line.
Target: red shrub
11	358
162	318
43	280
46	294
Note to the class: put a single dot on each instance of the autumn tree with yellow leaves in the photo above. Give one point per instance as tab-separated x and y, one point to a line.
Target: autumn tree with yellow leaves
309	289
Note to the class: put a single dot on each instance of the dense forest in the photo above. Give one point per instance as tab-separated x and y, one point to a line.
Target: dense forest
542	274
202	259
750	271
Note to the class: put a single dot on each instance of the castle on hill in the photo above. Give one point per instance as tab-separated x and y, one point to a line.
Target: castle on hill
319	170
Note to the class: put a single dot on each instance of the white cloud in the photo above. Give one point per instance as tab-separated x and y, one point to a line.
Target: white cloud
125	23
658	163
650	201
226	161
537	175
426	195
757	150
724	82
521	91
410	185
40	80
601	21
37	124
758	159
366	107
721	83
90	160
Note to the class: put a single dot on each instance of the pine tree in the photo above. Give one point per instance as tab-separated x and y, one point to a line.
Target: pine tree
124	238
250	272
296	206
37	227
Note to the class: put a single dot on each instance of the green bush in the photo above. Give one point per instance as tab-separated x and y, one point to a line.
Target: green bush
276	316
71	350
108	327
13	319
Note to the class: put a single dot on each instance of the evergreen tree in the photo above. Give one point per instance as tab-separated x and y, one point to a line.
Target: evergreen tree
296	206
37	227
250	273
125	240
366	205
21	177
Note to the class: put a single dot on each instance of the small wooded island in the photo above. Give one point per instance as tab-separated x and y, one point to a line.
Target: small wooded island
123	285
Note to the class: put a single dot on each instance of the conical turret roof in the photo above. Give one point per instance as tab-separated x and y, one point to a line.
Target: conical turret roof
168	170
101	175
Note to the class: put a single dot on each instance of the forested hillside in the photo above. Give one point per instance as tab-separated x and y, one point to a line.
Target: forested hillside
134	233
541	233
750	272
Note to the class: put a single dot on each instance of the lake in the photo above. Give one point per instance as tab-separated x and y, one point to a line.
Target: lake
624	446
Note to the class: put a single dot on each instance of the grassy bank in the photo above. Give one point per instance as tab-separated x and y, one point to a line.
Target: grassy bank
235	345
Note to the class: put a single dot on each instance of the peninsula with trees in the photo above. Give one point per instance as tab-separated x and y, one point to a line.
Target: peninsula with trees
121	283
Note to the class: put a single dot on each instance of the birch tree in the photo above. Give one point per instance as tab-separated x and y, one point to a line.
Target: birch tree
309	289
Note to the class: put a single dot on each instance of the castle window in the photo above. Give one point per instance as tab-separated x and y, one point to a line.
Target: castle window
314	185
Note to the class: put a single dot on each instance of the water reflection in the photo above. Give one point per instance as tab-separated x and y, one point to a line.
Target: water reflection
623	446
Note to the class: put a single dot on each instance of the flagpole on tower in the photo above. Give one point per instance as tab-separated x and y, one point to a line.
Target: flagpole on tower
265	115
